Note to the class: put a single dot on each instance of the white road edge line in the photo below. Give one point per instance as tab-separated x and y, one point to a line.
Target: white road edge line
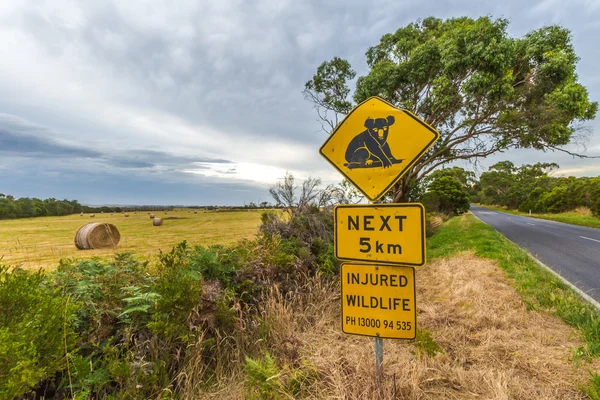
529	223
595	240
580	292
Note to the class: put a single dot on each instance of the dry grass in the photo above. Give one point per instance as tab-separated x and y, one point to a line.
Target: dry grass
583	211
43	241
493	347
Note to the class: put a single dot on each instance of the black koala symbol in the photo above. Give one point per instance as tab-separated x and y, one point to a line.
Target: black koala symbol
369	149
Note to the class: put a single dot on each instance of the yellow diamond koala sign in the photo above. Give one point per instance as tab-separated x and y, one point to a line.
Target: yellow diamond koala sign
376	144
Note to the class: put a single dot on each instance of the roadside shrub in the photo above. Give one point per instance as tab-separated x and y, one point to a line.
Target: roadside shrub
179	289
533	201
433	221
265	380
448	195
554	201
306	237
36	331
102	289
431	202
596	208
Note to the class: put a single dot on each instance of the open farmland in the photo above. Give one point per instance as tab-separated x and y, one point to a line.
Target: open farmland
41	242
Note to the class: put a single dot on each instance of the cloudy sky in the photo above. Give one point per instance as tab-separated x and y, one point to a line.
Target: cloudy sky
200	102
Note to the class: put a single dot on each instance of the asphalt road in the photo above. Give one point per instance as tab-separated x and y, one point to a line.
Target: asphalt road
571	251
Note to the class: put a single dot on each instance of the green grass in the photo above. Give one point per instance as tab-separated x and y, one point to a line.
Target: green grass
41	242
571	217
593	389
540	289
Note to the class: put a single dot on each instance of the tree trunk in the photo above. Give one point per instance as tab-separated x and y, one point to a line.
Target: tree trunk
401	191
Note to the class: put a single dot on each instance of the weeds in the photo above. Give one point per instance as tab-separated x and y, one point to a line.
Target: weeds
593	389
425	345
267	381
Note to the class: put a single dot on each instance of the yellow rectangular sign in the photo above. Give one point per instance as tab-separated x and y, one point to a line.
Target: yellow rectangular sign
379	301
380	233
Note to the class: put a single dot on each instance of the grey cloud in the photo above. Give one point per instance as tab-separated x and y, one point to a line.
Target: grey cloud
17	137
39	147
162	157
241	66
21	138
129	163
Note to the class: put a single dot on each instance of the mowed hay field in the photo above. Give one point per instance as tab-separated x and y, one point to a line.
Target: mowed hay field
41	242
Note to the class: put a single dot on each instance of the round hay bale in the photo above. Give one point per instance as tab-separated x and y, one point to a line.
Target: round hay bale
151	216
157	221
195	212
127	215
81	214
97	235
92	215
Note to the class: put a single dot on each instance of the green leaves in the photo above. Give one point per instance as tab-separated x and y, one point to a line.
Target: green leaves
331	82
529	187
482	89
36	331
451	196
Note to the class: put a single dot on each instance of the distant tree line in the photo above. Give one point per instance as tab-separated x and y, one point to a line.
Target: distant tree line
530	187
525	188
25	207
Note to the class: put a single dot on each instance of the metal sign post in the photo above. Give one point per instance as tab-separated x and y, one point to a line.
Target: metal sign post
379	359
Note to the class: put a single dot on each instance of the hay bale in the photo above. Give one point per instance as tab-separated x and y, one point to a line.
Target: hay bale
127	215
157	221
81	214
151	216
92	215
97	235
195	212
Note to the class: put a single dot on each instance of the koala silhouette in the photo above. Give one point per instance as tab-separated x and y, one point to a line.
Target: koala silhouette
369	149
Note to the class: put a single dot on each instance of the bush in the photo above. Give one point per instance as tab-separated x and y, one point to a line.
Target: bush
448	195
266	381
36	331
101	290
306	237
179	290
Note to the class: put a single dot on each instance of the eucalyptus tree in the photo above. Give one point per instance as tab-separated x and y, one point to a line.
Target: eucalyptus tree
483	90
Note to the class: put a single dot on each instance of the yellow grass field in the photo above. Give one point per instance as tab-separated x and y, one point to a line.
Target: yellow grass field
41	242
